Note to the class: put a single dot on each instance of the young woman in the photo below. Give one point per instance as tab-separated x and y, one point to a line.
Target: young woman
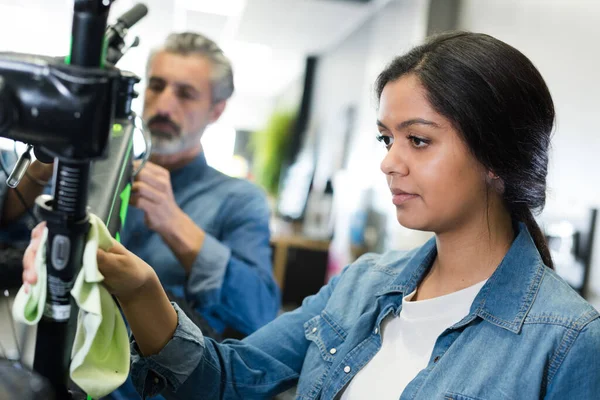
476	313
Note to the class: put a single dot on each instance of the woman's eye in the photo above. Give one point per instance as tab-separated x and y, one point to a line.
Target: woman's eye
386	140
418	142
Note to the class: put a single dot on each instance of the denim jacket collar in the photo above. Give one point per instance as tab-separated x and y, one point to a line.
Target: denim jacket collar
190	172
508	294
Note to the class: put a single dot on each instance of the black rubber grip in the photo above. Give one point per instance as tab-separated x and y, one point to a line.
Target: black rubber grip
133	16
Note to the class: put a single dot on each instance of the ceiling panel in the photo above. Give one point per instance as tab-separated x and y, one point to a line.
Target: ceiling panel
306	26
211	25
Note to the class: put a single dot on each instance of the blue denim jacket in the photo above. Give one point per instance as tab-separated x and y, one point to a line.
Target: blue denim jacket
528	336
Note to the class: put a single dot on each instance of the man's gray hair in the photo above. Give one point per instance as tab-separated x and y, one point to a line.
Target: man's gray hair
190	43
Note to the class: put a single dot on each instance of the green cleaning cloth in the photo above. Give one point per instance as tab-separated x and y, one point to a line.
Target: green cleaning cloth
100	355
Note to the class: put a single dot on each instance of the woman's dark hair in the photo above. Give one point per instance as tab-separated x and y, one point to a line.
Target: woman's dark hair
499	103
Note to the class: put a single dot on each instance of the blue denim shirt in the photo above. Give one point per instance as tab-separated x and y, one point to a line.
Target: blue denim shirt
528	336
231	282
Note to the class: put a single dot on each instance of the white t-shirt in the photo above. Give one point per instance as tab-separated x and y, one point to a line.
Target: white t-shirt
407	343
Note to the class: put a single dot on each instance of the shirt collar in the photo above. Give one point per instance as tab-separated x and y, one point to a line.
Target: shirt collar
191	171
508	294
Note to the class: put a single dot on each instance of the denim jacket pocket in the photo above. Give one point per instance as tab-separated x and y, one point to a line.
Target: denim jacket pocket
326	334
325	337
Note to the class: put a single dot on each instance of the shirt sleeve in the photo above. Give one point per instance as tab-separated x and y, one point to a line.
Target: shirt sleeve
173	364
191	366
232	277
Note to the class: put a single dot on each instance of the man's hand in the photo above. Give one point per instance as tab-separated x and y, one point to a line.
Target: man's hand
152	193
40	171
31	186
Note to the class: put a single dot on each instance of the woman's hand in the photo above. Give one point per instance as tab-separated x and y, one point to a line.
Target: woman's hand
29	274
124	273
144	302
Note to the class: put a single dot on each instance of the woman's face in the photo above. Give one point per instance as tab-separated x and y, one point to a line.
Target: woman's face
436	183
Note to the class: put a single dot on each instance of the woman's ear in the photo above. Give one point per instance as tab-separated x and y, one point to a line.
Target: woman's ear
495	182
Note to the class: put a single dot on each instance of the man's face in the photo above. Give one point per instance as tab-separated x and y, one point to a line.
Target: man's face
177	103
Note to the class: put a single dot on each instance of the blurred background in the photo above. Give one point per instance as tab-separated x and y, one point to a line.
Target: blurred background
302	120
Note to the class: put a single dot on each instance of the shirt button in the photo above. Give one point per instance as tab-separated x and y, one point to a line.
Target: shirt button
333	351
436	359
376	330
347	369
156	380
314	329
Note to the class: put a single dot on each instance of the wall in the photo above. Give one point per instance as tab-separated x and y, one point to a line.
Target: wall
339	83
561	38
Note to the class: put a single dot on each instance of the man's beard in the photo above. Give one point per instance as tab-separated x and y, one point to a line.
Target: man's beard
166	145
